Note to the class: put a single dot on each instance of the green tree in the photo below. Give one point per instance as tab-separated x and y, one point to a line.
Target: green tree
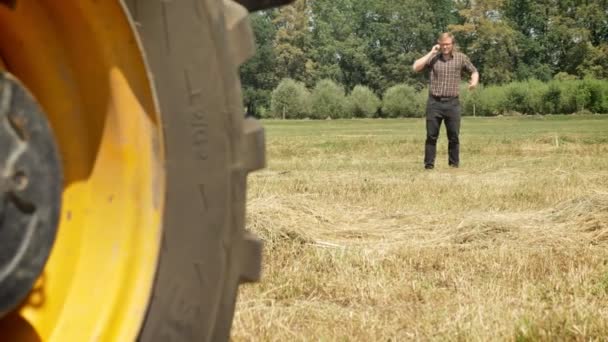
596	63
292	43
491	41
593	15
557	36
530	19
258	75
339	52
396	33
568	44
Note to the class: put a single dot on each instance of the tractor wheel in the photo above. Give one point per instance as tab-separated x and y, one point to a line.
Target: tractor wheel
194	49
144	103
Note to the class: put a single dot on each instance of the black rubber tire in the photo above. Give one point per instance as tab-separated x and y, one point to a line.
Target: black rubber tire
193	49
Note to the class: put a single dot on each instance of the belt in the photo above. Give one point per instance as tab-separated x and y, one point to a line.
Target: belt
444	98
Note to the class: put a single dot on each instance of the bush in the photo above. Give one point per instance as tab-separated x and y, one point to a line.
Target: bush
470	101
328	100
517	98
598	95
536	94
568	99
420	101
564	76
491	101
582	97
563	95
362	102
400	101
264	113
290	100
551	99
255	99
535	97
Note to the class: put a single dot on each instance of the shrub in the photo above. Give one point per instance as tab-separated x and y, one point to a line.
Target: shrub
328	100
551	98
400	101
491	101
536	94
517	98
598	95
362	102
568	98
255	99
290	99
469	100
582	97
420	101
564	76
263	112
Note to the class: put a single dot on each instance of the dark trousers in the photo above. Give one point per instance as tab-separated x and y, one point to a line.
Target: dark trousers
438	110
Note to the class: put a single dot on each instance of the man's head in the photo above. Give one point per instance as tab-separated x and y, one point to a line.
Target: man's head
446	43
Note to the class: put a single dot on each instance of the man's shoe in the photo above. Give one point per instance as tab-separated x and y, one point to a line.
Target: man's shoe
429	167
454	166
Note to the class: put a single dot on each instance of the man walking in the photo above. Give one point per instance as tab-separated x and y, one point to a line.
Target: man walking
445	67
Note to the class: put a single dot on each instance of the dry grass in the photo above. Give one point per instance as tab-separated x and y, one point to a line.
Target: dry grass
363	245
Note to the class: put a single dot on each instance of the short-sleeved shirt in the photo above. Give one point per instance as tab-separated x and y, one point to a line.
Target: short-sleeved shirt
445	73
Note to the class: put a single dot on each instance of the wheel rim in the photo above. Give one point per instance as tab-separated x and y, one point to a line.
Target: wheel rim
81	61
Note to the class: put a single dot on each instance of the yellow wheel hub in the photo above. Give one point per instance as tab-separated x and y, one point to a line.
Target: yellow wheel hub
82	62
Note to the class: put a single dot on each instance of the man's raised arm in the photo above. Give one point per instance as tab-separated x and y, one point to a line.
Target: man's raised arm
421	62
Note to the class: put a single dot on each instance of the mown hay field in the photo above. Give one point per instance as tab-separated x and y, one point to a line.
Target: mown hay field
363	244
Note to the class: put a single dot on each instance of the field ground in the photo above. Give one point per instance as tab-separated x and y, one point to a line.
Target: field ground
362	244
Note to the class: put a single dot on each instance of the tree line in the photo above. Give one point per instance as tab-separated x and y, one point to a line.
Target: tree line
328	100
371	44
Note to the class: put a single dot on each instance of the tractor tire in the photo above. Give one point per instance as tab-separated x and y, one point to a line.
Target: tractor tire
193	50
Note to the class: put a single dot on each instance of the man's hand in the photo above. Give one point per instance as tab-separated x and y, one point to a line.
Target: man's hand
421	62
474	80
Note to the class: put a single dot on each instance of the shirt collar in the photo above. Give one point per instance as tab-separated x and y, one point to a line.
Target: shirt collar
450	56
